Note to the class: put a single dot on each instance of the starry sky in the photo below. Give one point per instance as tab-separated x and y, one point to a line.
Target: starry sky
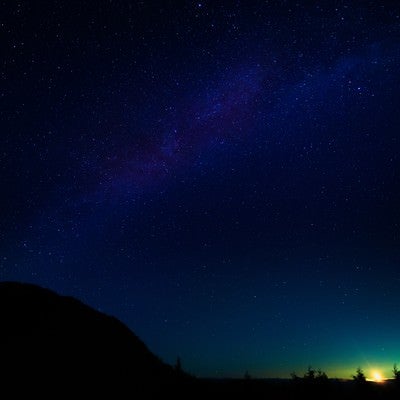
222	176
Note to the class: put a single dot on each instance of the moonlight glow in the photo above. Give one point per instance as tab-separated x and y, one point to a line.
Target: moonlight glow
377	376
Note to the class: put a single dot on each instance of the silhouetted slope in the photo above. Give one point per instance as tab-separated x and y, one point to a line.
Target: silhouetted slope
47	339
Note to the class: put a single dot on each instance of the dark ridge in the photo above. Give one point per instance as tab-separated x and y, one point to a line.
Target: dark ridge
53	346
48	340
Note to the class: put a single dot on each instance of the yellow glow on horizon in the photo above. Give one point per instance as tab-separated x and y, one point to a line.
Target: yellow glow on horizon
377	377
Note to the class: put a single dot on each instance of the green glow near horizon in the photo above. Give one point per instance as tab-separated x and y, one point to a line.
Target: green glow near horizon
337	371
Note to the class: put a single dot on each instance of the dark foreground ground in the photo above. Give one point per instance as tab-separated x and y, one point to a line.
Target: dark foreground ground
204	389
285	389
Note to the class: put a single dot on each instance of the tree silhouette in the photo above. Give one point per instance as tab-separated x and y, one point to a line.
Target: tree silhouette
310	374
396	373
321	376
294	376
247	376
178	366
359	377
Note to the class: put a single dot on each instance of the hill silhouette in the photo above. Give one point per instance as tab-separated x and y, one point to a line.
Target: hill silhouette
52	341
56	347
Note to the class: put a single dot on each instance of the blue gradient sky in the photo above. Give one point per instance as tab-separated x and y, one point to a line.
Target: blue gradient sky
222	177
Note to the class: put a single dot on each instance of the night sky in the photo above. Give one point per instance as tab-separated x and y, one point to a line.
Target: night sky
224	177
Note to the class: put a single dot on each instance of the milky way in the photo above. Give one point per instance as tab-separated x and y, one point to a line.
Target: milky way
224	178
